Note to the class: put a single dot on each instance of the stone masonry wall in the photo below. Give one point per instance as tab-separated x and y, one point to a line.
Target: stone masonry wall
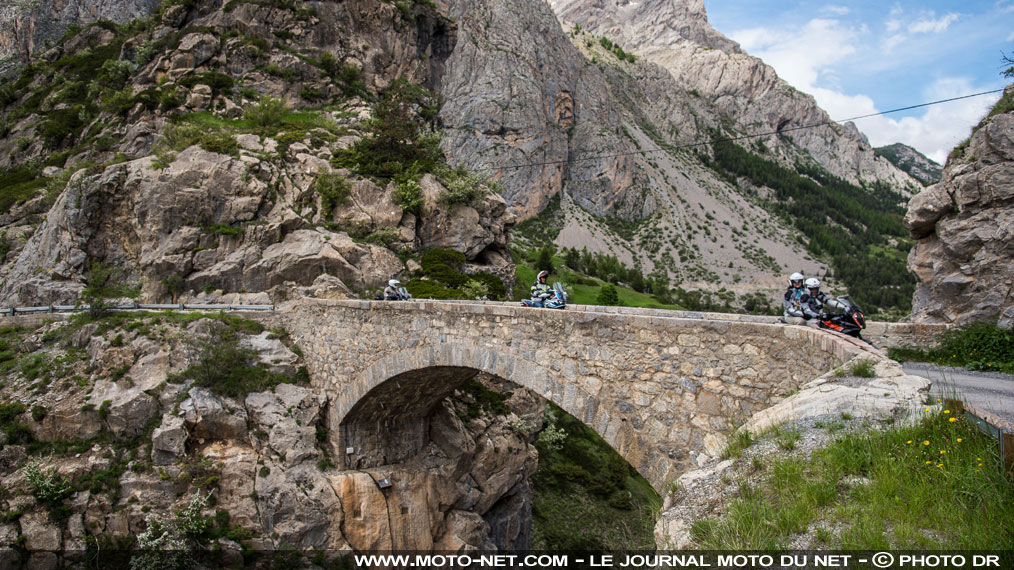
662	391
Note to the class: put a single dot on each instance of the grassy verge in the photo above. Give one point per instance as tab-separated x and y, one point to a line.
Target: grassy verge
976	346
934	485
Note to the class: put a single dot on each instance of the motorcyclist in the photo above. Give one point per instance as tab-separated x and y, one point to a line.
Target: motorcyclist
814	300
392	292
541	289
793	295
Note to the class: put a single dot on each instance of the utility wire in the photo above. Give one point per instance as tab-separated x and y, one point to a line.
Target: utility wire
732	139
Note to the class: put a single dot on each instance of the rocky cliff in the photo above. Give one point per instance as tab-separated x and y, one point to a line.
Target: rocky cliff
965	228
109	426
28	27
204	175
742	89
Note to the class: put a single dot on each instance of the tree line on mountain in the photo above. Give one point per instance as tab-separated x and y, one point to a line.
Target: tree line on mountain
858	230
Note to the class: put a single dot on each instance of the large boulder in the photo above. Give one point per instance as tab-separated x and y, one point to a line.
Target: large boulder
965	231
290	416
212	418
169	440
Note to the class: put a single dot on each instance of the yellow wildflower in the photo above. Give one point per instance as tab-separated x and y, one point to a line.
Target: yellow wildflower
947	411
926	442
952	420
960	440
943	451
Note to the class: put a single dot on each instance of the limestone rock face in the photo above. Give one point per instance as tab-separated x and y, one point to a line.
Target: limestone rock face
965	231
27	26
676	36
516	105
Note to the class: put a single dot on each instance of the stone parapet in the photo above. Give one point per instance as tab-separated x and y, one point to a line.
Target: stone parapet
664	388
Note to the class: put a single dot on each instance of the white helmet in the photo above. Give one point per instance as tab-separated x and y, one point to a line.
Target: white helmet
393	282
796	277
813	283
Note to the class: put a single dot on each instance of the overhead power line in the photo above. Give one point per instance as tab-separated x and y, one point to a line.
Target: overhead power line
737	138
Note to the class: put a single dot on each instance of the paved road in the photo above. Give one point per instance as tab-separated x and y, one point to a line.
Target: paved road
988	391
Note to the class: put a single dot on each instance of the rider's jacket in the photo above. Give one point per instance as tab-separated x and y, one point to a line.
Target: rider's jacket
391	293
793	301
539	288
813	305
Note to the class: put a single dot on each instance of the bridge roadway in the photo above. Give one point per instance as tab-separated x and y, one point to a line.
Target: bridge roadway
663	388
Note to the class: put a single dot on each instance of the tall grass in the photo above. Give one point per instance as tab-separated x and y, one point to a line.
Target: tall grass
935	485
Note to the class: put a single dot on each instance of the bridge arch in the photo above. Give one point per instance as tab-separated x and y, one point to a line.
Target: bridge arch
382	413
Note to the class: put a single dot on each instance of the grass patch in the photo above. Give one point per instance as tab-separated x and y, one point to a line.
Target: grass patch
862	368
741	440
977	346
935	485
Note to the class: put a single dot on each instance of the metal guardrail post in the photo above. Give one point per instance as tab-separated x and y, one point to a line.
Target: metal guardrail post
1007	450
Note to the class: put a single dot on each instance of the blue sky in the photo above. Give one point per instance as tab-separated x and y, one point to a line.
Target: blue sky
858	58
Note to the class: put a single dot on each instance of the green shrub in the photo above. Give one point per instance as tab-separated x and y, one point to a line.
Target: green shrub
269	112
220	83
61	124
39	412
334	190
18	185
408	195
425	289
395	144
220	142
862	369
494	286
226	368
104	285
48	486
607	296
444	265
980	345
463	189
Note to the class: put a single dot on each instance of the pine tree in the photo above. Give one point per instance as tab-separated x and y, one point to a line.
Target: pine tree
608	296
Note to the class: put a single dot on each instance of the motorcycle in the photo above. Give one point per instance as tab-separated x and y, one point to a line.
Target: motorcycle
555	300
403	295
851	321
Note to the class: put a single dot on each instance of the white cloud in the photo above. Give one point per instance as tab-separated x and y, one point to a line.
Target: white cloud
893	42
1010	38
938	130
928	25
807	58
837	10
803	55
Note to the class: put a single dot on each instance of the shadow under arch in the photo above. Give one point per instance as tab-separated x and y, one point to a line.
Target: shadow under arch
382	415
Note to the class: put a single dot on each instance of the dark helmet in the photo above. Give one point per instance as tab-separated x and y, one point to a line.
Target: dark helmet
543	275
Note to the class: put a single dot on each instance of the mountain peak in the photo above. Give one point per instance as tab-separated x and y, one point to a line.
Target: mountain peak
640	25
915	163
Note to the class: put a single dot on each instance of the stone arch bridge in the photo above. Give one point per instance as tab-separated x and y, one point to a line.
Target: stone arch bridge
663	388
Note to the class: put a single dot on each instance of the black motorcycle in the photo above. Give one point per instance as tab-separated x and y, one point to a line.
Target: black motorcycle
851	321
